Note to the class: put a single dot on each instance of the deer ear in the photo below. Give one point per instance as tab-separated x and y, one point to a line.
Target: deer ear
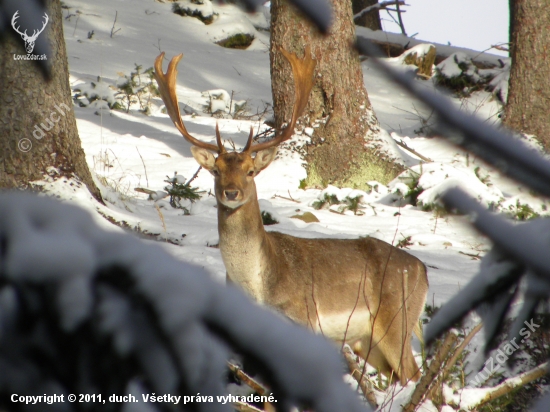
204	157
264	158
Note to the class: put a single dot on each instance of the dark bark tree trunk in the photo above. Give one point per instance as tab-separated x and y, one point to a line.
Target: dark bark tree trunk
370	20
37	122
339	109
529	88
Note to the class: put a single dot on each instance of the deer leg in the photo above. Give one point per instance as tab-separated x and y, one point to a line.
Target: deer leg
395	346
373	355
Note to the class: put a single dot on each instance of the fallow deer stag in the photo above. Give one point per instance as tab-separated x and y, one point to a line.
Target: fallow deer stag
361	291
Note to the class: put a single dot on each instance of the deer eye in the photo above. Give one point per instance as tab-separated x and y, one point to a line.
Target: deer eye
215	172
251	173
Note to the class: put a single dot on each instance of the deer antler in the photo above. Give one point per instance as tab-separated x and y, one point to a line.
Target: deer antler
167	89
302	70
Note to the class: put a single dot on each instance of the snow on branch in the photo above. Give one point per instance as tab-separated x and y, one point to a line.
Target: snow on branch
497	147
519	256
520	252
511	384
84	310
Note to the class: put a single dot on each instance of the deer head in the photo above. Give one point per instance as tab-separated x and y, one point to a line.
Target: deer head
29	40
234	172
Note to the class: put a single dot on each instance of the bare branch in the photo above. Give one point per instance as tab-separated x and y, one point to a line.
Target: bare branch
287	198
194	176
428	379
355	370
501	47
461	348
400	19
379	6
452	360
414	152
113	31
248	380
144	168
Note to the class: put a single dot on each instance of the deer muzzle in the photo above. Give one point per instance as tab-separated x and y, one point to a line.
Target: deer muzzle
231	195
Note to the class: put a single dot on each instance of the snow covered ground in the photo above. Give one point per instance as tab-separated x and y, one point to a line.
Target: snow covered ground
130	150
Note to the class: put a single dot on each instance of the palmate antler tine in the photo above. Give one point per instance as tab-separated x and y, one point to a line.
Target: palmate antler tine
221	147
249	141
167	88
302	70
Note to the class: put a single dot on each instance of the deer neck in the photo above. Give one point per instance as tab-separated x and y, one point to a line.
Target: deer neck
244	246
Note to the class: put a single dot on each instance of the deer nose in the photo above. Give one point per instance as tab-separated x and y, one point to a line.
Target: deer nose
231	194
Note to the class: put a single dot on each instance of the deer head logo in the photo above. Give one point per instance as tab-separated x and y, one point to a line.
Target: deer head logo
29	40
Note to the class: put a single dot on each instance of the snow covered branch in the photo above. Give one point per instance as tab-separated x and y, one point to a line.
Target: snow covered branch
498	147
520	252
513	383
85	310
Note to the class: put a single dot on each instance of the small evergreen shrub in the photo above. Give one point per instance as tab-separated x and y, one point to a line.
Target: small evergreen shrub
268	219
180	190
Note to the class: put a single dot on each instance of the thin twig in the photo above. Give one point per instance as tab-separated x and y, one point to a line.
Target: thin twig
461	347
474	257
144	168
454	357
158	46
414	152
378	6
354	307
286	198
248	380
78	13
314	302
400	19
161	216
113	31
194	176
231	103
500	47
428	379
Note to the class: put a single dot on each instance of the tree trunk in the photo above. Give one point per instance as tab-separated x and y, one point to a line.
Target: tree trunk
38	126
339	109
529	88
369	20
